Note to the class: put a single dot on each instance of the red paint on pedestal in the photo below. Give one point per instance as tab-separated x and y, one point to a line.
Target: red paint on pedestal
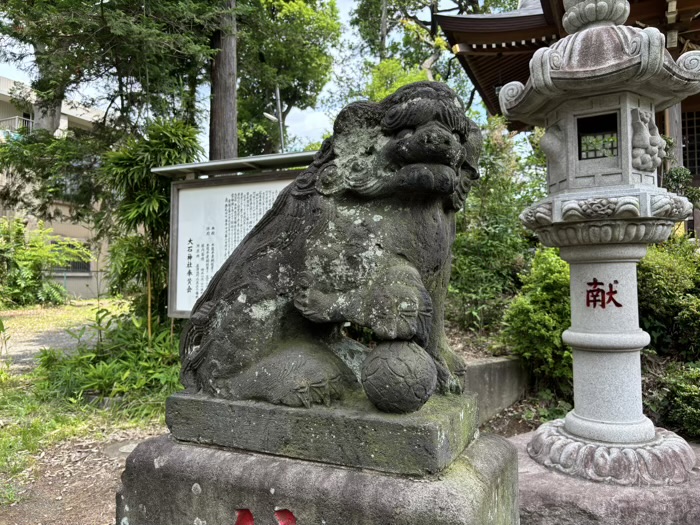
244	517
285	517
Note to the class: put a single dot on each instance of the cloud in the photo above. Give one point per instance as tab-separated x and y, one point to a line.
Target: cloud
308	125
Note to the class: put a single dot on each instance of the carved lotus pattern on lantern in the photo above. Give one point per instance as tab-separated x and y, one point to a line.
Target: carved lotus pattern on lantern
600	208
665	461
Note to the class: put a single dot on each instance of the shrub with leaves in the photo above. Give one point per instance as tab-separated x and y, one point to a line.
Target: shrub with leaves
669	298
139	253
27	258
536	318
122	364
682	400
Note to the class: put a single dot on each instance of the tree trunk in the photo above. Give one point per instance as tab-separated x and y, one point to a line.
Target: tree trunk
383	31
189	102
47	115
223	125
47	109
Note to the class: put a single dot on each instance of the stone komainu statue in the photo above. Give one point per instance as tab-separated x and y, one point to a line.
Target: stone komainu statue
363	236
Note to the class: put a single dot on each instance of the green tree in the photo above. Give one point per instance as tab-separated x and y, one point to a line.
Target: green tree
42	170
27	258
144	58
536	318
492	247
285	44
406	30
388	76
139	254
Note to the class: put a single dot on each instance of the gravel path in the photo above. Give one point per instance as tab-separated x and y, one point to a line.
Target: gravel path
28	331
75	481
22	349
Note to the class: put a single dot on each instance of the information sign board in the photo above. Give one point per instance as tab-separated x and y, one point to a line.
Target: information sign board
210	218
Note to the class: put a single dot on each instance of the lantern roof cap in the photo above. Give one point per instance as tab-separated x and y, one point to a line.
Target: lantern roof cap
601	56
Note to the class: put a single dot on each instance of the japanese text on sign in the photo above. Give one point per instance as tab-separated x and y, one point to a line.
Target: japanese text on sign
211	222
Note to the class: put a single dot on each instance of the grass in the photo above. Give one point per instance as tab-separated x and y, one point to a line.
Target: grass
30	424
38	319
32	419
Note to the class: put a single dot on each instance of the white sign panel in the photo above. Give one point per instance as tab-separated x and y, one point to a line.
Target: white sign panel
212	220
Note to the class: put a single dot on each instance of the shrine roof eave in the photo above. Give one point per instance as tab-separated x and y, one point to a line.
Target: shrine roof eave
501	23
480	78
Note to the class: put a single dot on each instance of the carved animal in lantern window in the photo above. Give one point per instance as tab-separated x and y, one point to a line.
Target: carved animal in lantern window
648	148
363	236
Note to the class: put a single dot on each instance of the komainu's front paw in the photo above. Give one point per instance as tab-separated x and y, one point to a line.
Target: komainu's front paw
451	371
400	307
312	304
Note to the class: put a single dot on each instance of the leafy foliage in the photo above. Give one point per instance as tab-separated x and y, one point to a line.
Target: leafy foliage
679	180
124	363
139	254
27	259
388	76
669	306
669	298
682	401
405	29
287	44
536	318
143	58
492	247
547	407
407	32
42	170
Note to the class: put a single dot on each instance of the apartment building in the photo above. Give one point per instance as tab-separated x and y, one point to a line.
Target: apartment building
80	279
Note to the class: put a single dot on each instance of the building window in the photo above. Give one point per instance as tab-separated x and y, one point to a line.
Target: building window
691	135
597	137
73	266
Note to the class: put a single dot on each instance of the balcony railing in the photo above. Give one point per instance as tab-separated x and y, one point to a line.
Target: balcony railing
9	127
16	123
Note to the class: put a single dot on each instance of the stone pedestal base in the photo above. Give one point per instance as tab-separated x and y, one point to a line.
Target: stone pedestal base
351	433
665	460
167	482
550	498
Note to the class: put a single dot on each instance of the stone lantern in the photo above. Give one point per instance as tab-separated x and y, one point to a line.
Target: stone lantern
596	92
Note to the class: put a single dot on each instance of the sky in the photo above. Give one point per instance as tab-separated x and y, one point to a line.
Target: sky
311	124
307	125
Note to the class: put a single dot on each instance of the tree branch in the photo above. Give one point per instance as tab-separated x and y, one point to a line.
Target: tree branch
471	99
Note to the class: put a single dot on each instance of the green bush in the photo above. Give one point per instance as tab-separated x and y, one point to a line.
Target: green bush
669	298
682	401
536	318
27	259
121	365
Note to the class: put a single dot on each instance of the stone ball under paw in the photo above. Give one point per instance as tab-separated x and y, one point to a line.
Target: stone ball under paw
399	376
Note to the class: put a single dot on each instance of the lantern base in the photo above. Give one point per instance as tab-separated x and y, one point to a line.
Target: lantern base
665	460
